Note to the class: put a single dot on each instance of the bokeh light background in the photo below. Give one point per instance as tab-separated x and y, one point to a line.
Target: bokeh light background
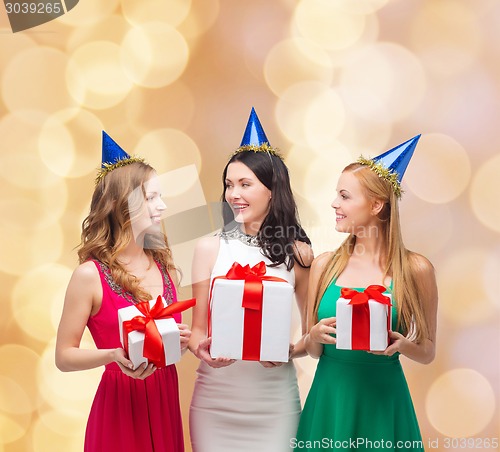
174	81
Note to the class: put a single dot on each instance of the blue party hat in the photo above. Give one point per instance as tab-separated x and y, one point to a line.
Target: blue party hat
392	164
397	158
254	133
255	139
111	151
113	156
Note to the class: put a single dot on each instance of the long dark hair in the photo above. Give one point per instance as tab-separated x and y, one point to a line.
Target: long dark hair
281	227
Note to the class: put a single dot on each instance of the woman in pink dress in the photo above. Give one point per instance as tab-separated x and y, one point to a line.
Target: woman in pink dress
124	258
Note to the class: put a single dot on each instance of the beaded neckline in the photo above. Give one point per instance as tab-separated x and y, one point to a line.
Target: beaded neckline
168	293
237	234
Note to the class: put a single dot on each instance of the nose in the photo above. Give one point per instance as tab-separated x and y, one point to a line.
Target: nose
335	203
233	194
161	205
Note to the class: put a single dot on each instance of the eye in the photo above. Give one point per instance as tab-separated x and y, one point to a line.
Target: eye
344	196
245	184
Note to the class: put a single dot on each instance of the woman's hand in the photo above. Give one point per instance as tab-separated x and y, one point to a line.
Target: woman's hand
203	354
321	332
126	366
185	335
397	345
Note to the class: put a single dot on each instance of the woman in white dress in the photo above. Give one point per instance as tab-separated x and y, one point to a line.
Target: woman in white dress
240	406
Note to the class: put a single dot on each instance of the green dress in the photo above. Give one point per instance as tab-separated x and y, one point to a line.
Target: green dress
357	400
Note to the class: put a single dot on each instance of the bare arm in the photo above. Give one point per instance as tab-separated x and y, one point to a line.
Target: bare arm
83	299
424	351
305	258
319	332
205	255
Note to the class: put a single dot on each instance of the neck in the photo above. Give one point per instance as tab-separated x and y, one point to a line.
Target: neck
132	253
370	247
250	229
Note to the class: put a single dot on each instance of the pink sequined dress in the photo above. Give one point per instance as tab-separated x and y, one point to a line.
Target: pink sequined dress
130	415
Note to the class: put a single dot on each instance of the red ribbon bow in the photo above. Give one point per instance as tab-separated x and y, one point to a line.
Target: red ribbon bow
361	313
153	344
251	302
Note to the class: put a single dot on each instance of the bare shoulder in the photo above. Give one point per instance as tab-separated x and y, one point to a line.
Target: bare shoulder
321	261
86	273
85	285
208	245
303	253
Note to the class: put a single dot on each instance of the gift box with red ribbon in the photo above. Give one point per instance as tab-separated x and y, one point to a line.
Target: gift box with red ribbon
250	315
363	319
149	334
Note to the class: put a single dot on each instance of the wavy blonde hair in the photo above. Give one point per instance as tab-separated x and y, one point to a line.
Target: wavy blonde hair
107	230
397	261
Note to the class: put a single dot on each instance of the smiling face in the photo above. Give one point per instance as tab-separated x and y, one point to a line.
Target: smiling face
247	196
148	217
355	212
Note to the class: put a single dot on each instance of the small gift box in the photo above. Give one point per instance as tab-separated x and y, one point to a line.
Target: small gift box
363	319
148	332
250	315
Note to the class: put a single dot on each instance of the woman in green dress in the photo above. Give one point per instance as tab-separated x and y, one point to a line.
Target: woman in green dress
359	399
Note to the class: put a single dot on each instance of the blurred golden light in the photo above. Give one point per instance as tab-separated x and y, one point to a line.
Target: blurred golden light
95	77
440	169
418	217
447	36
484	195
58	138
360	6
89	12
491	272
45	438
364	136
43	92
33	309
172	13
21	249
460	403
13	398
382	82
201	18
324	119
64	421
168	149
53	201
11	429
154	54
320	184
148	109
112	28
13	45
462	294
292	107
328	25
19	160
296	60
62	389
22	374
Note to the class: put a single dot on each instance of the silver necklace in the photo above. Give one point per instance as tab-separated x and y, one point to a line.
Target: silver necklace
237	234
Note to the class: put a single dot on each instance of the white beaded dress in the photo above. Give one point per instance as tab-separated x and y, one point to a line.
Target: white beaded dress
244	407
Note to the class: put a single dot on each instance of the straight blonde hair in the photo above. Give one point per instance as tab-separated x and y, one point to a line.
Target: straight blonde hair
397	261
107	230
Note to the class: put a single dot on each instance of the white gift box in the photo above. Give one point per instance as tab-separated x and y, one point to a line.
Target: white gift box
227	320
167	328
380	321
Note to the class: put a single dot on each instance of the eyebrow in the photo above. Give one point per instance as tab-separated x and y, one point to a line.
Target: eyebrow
239	180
